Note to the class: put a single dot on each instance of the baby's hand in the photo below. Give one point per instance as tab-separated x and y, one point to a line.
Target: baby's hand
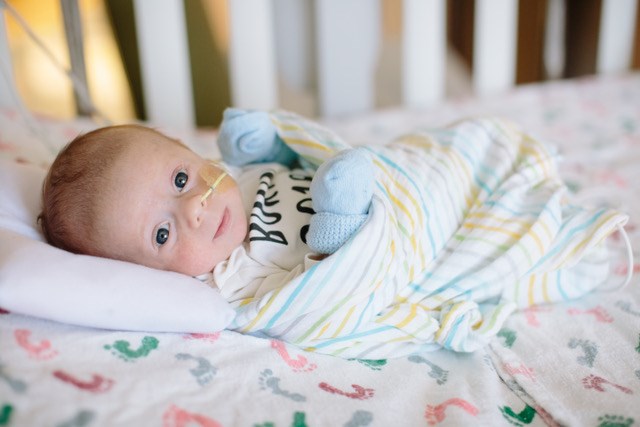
248	136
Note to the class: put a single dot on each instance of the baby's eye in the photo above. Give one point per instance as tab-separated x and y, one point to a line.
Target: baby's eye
181	180
162	235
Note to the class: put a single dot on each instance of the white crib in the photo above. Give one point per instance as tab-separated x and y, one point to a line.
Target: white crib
327	52
573	363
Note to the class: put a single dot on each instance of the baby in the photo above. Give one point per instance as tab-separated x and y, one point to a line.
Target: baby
131	193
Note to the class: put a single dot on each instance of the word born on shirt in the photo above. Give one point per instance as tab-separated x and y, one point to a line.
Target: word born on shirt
266	205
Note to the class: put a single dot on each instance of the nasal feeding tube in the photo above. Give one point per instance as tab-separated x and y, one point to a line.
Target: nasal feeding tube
212	176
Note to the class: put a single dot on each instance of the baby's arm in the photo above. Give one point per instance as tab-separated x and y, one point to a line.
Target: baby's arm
248	136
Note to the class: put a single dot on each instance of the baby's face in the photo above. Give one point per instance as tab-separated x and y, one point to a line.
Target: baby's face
154	213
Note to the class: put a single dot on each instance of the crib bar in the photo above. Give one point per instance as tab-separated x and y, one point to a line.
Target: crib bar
252	54
494	45
348	38
615	44
423	57
164	62
8	96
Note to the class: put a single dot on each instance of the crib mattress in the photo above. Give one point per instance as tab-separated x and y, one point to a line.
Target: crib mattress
576	363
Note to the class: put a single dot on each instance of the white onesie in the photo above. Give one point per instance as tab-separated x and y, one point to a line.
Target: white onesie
278	205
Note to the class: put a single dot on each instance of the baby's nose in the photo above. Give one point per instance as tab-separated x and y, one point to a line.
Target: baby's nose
194	210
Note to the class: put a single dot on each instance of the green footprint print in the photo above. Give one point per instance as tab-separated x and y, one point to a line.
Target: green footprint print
122	349
376	365
614	421
509	336
5	414
298	421
524	417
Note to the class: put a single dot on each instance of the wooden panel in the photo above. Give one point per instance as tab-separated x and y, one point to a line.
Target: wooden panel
252	55
121	17
581	36
531	31
209	67
460	27
164	60
424	43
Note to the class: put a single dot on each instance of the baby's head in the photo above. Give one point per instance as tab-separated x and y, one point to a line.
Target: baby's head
133	194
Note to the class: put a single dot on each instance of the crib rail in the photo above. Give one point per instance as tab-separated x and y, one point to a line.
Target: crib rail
328	52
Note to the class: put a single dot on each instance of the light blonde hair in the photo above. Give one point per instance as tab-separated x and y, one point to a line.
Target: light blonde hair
75	182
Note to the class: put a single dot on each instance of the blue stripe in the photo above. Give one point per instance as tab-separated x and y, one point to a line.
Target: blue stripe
354	336
323	281
452	332
293	296
569	236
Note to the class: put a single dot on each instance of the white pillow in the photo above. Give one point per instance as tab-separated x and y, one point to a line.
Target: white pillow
39	280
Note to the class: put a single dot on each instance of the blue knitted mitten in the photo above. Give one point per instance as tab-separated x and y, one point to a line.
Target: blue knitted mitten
249	137
341	193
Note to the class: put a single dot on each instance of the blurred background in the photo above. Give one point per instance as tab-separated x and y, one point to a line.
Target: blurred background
113	68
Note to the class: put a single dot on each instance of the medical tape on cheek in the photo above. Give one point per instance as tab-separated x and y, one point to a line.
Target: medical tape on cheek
212	176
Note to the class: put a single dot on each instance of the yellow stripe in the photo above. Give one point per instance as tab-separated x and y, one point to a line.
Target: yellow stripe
262	311
344	322
403	190
532	281
545	287
388	315
446	319
587	239
514	235
523	222
322	331
310	144
287	126
409	318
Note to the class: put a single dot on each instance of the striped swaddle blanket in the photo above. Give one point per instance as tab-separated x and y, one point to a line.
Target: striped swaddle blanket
467	224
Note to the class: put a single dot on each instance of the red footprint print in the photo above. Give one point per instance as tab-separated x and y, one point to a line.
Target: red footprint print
598	312
178	417
530	314
360	392
299	364
97	384
596	383
40	351
436	414
204	337
519	370
623	268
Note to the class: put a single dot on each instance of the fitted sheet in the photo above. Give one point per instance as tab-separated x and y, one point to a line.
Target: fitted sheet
574	363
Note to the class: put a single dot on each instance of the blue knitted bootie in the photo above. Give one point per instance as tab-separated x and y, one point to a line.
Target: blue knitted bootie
341	193
249	137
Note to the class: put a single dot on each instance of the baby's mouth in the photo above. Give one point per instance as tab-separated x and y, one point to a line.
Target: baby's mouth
224	223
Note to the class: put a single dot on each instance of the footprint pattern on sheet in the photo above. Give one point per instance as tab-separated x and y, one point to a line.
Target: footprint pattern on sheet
123	350
295	378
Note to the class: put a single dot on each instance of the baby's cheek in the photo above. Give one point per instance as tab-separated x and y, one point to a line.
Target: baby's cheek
193	261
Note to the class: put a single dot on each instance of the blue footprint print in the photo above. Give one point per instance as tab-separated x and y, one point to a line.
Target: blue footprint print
360	419
269	381
204	370
589	348
16	385
81	419
439	374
